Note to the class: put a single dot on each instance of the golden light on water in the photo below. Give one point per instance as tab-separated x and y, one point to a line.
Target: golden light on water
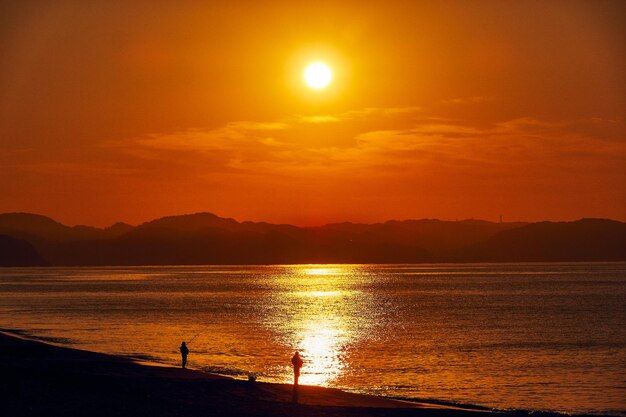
322	271
320	326
318	294
321	342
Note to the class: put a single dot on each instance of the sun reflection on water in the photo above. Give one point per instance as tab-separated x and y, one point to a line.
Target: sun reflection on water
318	293
321	342
317	321
322	271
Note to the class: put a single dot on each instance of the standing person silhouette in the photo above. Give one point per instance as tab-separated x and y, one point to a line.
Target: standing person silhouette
297	362
184	351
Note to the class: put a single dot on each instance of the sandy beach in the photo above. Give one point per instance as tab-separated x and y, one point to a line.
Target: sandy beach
40	379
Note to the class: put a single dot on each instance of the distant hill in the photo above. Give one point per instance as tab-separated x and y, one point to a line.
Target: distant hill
204	238
583	240
41	227
16	252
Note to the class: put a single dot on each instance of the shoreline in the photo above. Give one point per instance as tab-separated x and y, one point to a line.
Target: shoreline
47	379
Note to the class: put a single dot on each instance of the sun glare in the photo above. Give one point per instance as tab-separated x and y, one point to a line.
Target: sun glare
318	75
322	271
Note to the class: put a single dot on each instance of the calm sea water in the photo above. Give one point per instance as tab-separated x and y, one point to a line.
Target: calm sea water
529	336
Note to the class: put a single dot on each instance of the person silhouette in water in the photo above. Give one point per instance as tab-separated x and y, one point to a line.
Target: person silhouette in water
297	362
184	351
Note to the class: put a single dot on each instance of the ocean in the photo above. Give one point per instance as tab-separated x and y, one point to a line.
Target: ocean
534	336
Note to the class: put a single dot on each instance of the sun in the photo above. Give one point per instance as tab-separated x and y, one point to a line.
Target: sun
318	75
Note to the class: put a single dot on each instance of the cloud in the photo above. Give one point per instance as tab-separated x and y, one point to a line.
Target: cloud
376	112
469	100
373	139
261	126
319	119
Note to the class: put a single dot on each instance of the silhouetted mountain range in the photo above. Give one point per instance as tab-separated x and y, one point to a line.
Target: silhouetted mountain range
17	252
204	238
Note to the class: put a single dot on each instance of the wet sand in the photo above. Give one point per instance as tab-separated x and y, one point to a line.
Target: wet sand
39	379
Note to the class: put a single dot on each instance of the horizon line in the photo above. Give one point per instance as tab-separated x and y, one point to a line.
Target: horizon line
457	220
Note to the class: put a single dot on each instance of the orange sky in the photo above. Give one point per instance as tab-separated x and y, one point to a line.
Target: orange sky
110	111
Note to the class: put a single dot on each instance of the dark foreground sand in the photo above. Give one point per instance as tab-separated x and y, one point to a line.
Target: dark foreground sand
38	379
